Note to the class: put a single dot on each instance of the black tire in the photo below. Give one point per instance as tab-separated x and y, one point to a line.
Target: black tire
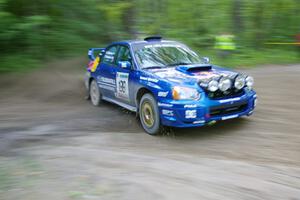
94	93
150	120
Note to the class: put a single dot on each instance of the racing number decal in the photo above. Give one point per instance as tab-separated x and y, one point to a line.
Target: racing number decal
122	85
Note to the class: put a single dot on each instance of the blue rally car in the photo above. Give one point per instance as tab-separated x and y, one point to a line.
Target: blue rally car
167	84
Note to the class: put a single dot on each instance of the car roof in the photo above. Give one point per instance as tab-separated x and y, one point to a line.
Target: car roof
133	42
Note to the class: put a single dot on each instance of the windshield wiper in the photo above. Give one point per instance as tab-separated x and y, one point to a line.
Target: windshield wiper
180	63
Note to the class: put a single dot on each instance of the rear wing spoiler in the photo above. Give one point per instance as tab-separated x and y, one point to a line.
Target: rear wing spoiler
93	52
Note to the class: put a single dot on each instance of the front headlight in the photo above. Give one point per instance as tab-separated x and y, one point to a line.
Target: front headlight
185	93
239	82
250	81
224	84
213	86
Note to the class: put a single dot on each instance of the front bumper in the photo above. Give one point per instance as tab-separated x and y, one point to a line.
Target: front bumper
204	111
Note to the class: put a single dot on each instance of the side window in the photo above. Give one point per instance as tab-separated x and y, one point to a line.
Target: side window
109	56
124	54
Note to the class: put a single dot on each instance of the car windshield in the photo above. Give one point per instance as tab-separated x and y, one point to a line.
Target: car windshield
165	55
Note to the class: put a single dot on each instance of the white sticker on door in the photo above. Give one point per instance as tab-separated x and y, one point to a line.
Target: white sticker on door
122	85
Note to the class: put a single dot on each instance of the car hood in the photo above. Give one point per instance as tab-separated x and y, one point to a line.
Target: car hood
192	74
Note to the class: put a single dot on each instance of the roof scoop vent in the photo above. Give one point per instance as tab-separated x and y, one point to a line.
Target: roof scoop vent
194	68
151	38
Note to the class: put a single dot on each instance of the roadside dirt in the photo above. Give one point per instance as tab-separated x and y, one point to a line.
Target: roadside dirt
55	145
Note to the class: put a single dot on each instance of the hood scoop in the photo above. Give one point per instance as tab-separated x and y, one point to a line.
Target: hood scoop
194	68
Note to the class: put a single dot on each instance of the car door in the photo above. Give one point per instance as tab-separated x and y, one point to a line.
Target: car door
124	77
106	72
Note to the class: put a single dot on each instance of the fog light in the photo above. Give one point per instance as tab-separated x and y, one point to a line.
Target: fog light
211	123
255	103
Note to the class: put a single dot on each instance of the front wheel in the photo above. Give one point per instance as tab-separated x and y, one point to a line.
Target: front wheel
149	115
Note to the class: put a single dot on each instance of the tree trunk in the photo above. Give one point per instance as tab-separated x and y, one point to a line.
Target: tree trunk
236	16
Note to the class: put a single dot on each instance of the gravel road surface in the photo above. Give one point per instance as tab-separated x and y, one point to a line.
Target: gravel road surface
55	145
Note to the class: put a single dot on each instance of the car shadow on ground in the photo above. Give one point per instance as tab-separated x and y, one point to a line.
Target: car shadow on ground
220	128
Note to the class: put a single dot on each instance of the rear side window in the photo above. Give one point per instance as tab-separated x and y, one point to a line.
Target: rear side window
110	54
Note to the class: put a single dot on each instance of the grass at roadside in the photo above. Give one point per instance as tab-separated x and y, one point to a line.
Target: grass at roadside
18	63
28	61
252	58
18	174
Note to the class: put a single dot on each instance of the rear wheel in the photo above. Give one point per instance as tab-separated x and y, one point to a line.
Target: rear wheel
95	94
149	115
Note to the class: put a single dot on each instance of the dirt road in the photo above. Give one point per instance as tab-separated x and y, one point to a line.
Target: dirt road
55	145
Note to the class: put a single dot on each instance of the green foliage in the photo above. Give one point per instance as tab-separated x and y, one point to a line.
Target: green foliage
35	30
18	63
113	15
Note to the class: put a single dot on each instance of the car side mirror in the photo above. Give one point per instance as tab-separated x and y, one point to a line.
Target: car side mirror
206	60
124	64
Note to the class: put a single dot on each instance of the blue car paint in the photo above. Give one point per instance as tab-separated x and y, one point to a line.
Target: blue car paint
175	113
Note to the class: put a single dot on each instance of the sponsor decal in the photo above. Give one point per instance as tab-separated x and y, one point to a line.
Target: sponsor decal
153	80
177	76
94	64
171	73
190	106
163	94
230	100
207	73
109	56
106	83
189	114
106	80
122	85
148	79
123	64
175	80
230	117
199	122
167	112
90	65
163	45
144	78
107	87
164	105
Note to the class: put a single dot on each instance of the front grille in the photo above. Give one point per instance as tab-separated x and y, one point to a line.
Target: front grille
228	109
228	94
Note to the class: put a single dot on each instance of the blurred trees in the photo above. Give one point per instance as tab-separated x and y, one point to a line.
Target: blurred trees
50	26
39	29
253	22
